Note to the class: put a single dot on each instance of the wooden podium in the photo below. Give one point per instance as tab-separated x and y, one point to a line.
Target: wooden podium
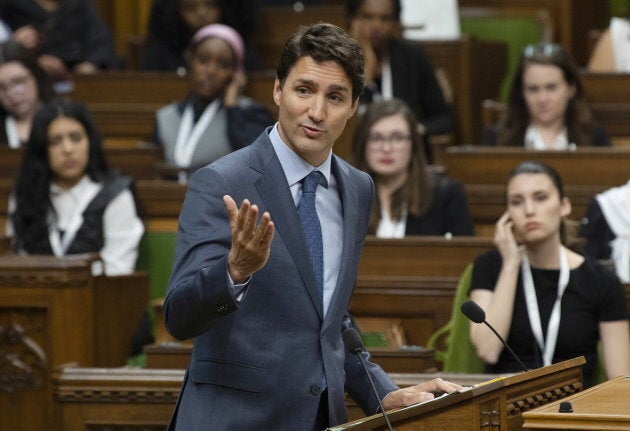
53	312
496	405
602	407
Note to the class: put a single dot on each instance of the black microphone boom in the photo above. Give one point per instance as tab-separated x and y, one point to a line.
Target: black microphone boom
476	314
354	344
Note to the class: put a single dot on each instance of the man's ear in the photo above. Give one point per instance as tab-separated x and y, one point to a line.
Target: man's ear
277	91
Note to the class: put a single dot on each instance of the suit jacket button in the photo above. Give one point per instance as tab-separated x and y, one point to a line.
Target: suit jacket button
315	390
222	308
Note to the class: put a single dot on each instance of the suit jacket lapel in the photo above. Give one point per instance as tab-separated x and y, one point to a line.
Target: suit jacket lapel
350	204
274	191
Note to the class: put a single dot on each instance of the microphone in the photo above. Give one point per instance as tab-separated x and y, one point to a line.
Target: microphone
476	314
354	344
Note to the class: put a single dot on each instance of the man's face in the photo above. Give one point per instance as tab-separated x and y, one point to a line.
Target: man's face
376	18
315	102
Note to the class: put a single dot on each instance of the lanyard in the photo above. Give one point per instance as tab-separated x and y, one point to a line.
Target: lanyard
188	136
548	348
387	87
12	133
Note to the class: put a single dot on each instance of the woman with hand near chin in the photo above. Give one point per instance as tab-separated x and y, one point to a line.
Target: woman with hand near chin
215	119
550	303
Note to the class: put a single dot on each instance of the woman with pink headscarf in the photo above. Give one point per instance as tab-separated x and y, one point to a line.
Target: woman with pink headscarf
215	119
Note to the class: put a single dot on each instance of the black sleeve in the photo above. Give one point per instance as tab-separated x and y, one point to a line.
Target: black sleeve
98	44
456	212
437	115
489	137
246	121
599	136
596	232
486	270
608	293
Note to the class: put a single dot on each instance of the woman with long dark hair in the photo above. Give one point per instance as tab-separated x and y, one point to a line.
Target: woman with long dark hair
546	107
550	303
66	200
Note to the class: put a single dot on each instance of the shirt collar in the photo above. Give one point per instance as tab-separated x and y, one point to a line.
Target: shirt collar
295	167
84	184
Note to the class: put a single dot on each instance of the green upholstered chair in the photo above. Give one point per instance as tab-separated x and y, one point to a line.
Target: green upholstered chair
460	355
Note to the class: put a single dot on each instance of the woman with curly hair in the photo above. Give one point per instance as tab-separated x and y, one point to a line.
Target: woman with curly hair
546	107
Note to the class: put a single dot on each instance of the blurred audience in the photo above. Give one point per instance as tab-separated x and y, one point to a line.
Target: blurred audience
606	228
546	109
397	68
215	119
69	36
66	201
172	23
412	200
612	51
24	86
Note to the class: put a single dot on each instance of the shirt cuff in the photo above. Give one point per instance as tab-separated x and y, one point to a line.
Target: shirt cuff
238	290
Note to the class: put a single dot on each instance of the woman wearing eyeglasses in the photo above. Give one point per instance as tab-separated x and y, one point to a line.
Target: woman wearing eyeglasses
24	86
546	108
412	199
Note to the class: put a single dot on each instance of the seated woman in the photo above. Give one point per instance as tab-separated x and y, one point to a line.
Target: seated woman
517	286
172	23
215	119
411	199
66	201
70	37
606	229
546	109
24	86
612	51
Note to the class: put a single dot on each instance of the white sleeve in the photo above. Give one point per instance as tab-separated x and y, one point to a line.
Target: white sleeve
122	231
8	226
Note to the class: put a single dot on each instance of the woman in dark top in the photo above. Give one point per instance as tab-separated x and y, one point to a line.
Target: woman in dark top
546	107
606	229
411	199
24	86
518	284
69	36
172	23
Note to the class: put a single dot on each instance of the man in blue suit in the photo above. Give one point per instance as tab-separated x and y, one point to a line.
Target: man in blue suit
264	297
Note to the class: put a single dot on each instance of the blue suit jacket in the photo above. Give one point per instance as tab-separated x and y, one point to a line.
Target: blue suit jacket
258	363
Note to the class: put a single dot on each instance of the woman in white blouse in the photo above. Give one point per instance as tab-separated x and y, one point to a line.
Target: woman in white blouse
66	201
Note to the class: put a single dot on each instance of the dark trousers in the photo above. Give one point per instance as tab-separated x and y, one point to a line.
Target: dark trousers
321	421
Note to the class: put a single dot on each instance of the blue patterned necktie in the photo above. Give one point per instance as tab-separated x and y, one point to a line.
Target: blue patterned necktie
309	220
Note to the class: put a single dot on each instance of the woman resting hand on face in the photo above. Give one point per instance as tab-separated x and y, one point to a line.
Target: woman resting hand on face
517	286
215	119
412	200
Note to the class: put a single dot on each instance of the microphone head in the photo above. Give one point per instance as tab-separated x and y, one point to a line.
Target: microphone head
352	340
473	311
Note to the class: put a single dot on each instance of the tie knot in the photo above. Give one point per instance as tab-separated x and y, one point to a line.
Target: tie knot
310	182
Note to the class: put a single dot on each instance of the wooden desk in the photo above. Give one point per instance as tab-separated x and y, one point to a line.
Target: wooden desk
52	312
176	355
143	399
138	161
602	407
608	95
495	405
123	103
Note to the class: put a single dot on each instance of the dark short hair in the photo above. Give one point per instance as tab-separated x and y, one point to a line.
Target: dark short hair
324	42
352	8
13	51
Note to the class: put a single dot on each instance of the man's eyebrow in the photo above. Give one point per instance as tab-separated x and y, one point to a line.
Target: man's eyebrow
334	87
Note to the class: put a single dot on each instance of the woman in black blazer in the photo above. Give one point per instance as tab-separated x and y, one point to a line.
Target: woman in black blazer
412	199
